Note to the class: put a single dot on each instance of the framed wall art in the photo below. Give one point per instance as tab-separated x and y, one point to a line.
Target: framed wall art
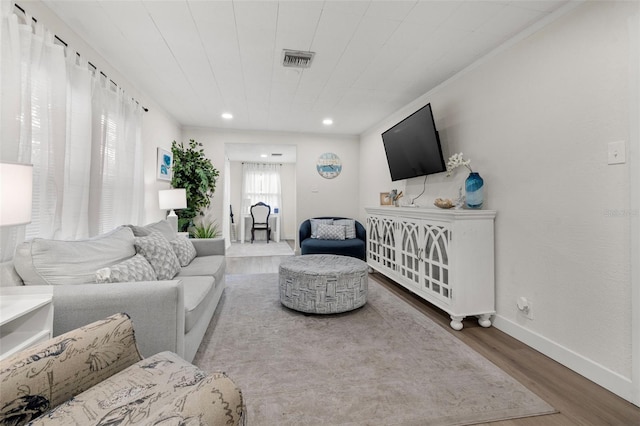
165	164
385	200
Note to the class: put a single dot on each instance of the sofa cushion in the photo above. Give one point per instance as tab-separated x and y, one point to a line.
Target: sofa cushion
42	261
330	232
137	268
349	227
354	247
157	250
161	389
184	250
203	265
198	292
162	226
315	223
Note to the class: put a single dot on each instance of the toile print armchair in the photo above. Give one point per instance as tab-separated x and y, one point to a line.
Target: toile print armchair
94	375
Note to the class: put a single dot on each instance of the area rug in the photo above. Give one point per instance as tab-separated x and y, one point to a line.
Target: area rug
259	248
383	364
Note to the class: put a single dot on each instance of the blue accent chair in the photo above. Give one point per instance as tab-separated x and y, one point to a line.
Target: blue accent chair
355	247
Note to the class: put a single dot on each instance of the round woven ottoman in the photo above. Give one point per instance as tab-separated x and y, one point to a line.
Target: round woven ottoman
323	283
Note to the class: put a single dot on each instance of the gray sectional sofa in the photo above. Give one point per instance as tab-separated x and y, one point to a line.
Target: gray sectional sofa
91	279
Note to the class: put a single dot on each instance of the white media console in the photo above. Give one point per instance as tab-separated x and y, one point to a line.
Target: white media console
444	256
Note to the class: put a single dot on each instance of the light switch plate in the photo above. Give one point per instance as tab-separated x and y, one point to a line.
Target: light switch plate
617	152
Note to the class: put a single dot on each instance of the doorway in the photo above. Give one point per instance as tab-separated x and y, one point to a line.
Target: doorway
279	154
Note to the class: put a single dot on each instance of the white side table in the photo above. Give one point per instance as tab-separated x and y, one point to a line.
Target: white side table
25	320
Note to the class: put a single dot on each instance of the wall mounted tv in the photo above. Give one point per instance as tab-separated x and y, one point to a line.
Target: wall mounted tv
413	146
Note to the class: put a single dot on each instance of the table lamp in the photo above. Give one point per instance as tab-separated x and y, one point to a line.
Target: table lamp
16	188
170	199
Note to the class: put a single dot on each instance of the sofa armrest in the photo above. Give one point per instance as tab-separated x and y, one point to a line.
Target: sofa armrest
8	275
209	246
304	232
361	232
156	309
52	372
215	400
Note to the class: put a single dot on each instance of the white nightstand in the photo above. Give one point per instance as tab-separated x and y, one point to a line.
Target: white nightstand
25	320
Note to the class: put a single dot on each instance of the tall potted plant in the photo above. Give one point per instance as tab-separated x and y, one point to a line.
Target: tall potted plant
194	172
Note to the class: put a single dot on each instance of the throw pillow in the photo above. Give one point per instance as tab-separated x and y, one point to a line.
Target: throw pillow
157	250
162	227
315	223
136	268
330	232
139	231
349	227
184	250
56	262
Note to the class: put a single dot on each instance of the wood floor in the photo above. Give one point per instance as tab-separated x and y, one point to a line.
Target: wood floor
578	400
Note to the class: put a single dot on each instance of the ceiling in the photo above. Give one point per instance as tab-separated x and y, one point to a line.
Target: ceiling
260	153
198	59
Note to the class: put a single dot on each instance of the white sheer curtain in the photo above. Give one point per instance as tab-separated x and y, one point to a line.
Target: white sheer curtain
81	135
116	189
261	182
33	86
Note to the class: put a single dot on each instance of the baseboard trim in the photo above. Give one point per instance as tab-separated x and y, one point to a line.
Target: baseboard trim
610	380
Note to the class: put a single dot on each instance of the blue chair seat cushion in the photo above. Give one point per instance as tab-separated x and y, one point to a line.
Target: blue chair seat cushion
353	247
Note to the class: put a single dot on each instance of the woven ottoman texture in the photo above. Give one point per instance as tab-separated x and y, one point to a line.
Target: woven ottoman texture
323	283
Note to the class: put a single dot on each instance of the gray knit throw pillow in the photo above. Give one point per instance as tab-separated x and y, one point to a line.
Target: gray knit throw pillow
349	227
330	232
157	250
136	268
184	249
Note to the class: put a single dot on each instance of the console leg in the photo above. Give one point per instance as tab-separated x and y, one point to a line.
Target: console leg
485	320
456	322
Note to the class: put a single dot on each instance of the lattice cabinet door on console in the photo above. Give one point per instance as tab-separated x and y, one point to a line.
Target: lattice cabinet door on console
382	247
444	256
435	261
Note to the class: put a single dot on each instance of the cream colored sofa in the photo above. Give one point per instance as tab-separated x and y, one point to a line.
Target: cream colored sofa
170	313
94	375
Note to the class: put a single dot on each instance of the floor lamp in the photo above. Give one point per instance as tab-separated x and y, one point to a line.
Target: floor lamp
16	189
170	199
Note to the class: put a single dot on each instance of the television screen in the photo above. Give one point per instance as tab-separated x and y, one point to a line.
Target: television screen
413	146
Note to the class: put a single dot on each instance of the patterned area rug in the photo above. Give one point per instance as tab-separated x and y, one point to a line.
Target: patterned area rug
384	364
259	248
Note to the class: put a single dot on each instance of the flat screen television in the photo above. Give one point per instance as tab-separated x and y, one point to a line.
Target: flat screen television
413	146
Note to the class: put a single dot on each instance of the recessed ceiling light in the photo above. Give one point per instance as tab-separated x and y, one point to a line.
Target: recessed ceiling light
327	121
227	115
263	155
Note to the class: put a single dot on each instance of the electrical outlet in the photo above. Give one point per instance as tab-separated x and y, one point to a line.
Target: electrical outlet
525	306
529	312
616	153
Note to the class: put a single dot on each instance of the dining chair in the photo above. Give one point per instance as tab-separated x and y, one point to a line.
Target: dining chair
260	213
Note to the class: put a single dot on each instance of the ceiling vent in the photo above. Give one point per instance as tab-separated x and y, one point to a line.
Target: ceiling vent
297	59
276	154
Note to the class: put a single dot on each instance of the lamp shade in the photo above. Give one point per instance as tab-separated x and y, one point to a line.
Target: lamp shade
16	189
169	199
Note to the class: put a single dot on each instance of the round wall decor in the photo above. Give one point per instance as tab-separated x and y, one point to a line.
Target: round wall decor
329	165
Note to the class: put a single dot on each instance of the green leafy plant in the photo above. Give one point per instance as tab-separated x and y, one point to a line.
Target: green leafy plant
194	172
205	230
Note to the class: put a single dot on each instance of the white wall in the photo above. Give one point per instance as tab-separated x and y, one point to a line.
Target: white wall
314	195
158	128
535	119
158	131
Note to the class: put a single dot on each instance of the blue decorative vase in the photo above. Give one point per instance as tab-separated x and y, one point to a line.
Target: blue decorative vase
474	186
